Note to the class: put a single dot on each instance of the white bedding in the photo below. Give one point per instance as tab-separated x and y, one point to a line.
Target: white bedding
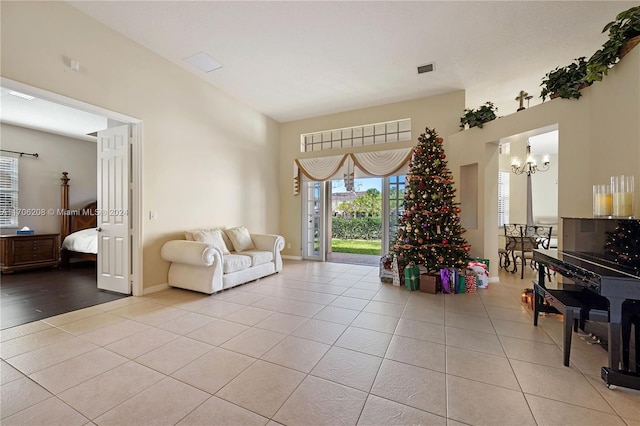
85	241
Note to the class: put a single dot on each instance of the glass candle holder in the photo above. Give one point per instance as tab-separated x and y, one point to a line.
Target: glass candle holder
622	188
602	201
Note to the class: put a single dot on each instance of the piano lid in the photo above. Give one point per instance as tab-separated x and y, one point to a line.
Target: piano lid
585	263
609	243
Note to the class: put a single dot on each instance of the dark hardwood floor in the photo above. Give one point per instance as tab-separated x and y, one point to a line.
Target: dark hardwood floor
33	295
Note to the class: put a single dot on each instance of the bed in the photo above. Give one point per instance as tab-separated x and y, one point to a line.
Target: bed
78	228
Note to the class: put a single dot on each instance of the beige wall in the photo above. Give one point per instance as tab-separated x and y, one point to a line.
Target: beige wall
599	136
441	112
208	158
39	178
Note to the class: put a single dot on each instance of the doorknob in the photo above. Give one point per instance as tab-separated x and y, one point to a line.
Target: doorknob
99	229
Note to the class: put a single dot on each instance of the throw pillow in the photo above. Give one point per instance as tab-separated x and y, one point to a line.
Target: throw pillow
226	239
211	236
240	238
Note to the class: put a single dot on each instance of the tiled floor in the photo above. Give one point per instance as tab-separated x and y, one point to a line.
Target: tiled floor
315	344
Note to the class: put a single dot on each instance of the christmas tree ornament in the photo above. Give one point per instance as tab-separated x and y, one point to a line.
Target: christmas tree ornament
429	206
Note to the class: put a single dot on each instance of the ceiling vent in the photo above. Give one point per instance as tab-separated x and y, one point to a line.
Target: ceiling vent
426	68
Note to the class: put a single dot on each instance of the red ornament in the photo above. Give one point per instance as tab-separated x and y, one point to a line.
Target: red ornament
420	240
443	156
439	140
444	241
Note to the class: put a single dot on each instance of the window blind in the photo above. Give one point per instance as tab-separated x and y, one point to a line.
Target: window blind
503	198
8	192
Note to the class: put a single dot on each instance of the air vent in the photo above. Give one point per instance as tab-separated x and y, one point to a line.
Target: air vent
426	68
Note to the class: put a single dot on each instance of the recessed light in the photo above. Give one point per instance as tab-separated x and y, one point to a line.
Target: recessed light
204	62
21	95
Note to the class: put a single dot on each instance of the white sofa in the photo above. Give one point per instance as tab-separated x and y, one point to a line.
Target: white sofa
215	262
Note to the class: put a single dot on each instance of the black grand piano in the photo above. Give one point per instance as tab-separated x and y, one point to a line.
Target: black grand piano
599	268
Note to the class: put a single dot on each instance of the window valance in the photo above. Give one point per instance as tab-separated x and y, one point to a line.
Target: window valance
373	163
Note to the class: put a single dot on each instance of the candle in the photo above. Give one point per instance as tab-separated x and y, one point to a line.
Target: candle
622	188
602	201
623	204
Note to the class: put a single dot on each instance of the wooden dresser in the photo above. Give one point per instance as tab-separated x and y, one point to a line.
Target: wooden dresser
23	252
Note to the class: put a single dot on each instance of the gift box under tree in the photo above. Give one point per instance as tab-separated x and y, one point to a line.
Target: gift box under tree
429	229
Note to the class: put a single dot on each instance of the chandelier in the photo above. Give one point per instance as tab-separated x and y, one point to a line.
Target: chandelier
529	167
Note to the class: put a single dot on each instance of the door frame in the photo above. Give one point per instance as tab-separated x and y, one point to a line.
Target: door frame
135	161
325	218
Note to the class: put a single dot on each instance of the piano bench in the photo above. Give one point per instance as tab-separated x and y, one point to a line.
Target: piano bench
576	306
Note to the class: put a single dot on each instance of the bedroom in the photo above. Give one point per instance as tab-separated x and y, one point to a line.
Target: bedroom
43	291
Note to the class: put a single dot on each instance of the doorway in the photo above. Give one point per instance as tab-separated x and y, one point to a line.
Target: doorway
355	225
351	226
133	239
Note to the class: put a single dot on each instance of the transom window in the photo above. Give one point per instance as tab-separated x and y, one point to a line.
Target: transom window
368	134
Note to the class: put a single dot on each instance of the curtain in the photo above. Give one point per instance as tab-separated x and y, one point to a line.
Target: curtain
321	168
382	163
374	163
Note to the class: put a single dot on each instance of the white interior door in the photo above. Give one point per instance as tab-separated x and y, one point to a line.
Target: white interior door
113	210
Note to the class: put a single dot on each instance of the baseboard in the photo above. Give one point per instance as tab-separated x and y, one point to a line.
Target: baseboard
288	257
155	289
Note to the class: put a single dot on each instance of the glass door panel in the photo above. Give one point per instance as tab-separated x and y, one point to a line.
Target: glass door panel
313	229
394	198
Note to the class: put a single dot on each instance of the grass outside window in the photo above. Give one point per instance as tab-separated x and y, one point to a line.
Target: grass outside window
371	247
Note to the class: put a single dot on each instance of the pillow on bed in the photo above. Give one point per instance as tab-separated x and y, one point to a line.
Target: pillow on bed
240	238
211	236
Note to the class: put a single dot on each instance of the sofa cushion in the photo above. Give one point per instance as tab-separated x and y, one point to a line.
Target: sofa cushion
240	238
211	236
258	257
235	263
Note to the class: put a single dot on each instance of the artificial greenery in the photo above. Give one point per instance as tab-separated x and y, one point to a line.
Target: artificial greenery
625	27
566	81
473	118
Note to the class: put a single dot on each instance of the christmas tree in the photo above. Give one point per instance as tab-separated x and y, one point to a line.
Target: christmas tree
429	230
623	244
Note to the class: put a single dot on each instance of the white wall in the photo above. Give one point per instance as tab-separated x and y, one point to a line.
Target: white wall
599	136
39	178
441	112
208	159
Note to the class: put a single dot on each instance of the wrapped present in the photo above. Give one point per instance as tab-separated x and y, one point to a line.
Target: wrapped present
411	277
470	283
430	283
483	261
480	269
446	278
461	284
482	281
386	268
396	272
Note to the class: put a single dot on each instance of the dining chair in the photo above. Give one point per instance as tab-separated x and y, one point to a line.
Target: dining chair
511	236
532	237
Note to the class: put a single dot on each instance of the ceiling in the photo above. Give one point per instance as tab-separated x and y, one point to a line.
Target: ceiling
294	60
49	117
